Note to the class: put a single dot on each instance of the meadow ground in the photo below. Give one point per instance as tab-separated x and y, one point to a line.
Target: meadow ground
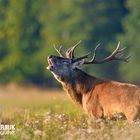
41	114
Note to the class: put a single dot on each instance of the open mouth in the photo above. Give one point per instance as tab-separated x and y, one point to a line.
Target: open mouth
50	62
51	65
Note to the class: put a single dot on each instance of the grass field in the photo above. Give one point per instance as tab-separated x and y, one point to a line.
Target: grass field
41	114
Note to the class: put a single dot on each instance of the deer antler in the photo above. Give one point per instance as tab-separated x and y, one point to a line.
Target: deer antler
111	57
85	56
59	51
70	51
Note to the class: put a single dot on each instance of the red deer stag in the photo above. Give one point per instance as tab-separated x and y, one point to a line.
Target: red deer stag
99	98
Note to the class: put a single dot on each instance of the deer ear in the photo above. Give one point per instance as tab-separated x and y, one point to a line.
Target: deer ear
78	63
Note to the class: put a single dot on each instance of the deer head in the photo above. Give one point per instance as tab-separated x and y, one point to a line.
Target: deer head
63	66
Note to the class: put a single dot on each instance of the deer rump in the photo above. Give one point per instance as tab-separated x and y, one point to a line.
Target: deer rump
110	99
99	98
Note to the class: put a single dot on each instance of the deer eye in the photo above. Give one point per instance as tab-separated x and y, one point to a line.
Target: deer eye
65	62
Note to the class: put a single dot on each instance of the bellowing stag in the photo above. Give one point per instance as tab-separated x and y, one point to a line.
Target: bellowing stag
98	97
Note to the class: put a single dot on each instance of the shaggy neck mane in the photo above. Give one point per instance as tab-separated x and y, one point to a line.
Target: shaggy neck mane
78	84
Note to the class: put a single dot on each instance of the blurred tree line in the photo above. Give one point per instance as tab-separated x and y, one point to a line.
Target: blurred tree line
29	28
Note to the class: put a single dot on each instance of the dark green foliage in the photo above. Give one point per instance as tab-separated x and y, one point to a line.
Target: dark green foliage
20	42
130	38
29	28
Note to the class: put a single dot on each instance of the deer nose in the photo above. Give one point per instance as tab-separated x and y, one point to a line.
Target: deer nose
50	56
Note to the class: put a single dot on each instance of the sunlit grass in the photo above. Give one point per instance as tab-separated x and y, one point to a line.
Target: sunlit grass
50	115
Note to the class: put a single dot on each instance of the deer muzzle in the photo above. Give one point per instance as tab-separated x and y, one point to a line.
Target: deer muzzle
50	63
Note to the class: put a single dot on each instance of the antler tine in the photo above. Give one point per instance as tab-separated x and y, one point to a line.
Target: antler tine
76	44
121	50
123	58
85	56
127	58
111	57
94	55
70	51
59	51
82	57
117	50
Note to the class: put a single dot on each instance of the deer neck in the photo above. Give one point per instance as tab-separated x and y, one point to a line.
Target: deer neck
78	84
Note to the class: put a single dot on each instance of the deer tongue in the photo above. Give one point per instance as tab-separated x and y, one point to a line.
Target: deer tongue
50	67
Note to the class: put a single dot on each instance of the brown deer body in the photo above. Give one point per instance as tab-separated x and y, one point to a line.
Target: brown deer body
99	98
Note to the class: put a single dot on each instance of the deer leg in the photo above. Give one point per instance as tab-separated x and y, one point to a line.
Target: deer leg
132	114
94	122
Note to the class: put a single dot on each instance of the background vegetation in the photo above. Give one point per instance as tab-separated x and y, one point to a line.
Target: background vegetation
29	28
